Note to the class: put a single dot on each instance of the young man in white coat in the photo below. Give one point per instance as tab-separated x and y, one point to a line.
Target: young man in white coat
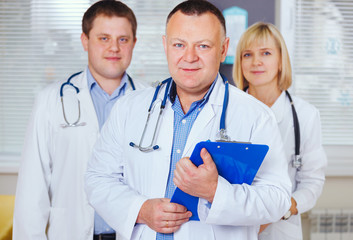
50	198
131	186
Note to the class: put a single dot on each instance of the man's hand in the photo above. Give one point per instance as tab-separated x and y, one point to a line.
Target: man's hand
197	181
263	227
163	216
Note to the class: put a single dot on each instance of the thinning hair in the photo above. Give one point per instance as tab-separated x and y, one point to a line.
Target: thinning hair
198	7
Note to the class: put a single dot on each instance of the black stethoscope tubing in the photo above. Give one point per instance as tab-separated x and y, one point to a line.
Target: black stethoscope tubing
296	125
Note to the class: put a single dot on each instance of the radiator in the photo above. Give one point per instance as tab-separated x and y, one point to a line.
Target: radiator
331	224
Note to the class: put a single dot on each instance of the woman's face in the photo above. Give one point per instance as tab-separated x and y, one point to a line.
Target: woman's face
261	63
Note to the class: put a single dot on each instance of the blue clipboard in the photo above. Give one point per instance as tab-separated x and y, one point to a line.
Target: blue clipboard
236	162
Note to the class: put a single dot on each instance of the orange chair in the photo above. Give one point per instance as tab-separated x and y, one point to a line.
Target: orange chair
7	204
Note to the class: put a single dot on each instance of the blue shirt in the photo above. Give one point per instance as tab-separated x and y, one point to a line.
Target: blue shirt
103	103
182	126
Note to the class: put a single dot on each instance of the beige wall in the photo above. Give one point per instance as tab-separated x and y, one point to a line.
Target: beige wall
8	183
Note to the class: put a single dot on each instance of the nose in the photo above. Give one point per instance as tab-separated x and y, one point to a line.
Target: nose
257	60
190	55
115	46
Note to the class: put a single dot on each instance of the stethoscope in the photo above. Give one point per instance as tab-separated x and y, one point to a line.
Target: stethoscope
222	128
69	83
297	159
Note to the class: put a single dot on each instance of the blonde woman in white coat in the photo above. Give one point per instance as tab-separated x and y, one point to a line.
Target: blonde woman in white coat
262	68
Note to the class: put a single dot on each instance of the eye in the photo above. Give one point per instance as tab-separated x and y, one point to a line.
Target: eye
267	53
203	46
178	45
104	39
246	55
124	40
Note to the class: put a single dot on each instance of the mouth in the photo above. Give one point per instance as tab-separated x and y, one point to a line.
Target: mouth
190	70
257	72
113	59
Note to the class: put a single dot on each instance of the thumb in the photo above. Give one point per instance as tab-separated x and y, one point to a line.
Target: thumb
206	157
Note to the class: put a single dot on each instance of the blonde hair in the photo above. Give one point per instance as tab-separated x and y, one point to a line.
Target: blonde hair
258	32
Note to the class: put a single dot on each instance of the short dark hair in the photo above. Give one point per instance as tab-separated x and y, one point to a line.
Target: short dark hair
109	8
198	7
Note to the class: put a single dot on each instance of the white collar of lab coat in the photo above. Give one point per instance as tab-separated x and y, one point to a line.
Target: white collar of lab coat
279	107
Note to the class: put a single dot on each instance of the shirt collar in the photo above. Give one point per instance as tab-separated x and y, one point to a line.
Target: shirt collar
92	83
172	92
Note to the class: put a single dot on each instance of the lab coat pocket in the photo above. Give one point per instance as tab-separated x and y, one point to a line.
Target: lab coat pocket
56	227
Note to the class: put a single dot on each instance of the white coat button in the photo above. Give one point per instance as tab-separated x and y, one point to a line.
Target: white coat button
183	121
178	151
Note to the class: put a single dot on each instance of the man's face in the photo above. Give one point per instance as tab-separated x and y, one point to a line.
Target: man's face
195	46
109	46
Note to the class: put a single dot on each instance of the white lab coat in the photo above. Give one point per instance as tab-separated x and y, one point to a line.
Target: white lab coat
307	183
121	178
50	190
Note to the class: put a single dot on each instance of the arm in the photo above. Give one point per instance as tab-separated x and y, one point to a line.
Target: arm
32	204
267	199
111	190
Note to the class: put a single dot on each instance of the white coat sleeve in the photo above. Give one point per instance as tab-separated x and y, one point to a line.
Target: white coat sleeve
310	179
104	181
32	204
267	198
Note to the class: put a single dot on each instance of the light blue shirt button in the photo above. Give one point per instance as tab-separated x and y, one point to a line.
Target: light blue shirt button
178	151
183	121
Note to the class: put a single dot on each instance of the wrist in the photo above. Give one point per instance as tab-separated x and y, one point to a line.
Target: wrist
287	215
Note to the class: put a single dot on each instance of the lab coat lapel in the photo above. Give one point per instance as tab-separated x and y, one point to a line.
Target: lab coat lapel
279	107
202	128
164	140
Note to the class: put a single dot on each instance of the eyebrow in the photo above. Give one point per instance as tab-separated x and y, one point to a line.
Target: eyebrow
197	42
248	50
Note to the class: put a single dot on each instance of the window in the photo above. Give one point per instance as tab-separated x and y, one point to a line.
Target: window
319	34
40	43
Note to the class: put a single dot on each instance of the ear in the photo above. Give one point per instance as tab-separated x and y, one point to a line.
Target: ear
165	44
84	41
225	46
135	41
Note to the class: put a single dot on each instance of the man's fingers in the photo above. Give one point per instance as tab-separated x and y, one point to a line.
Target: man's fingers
170	226
206	157
177	216
173	207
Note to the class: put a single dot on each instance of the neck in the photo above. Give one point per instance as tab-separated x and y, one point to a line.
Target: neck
266	94
108	85
186	99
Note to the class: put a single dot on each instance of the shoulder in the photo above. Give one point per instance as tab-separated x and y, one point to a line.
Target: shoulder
247	102
140	84
303	106
50	91
137	98
308	114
